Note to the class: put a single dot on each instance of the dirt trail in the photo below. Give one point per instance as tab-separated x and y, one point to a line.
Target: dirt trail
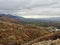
42	38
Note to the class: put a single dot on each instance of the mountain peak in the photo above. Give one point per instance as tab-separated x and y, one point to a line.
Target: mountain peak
11	16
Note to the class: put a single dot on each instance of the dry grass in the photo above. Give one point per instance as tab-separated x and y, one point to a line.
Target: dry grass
49	42
16	34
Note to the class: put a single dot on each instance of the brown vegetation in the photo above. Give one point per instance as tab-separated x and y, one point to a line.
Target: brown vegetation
16	34
8	19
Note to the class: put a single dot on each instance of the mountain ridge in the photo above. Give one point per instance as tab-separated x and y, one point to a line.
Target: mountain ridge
53	19
10	18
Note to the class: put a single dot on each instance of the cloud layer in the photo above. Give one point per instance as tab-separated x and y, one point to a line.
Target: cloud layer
31	7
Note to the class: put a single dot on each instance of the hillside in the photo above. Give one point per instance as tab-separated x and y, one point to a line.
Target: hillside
14	34
49	42
10	18
14	31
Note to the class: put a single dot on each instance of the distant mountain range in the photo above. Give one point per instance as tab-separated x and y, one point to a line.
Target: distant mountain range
54	19
10	18
19	19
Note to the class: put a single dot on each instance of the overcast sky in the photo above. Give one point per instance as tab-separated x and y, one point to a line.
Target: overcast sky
31	8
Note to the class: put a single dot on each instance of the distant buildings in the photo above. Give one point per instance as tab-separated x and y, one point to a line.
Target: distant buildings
56	29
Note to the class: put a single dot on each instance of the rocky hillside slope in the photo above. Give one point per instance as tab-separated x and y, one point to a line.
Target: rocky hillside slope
49	42
17	34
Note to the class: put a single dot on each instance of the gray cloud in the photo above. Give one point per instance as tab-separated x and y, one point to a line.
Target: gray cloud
30	7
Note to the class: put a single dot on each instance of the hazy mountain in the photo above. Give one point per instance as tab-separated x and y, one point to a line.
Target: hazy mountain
43	19
10	18
54	19
18	19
